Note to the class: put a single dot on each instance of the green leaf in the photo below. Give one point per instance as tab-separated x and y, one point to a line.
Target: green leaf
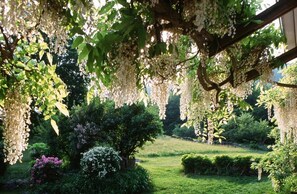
98	56
50	58
77	30
85	51
78	40
90	62
62	108
123	2
41	53
55	126
106	7
112	15
141	36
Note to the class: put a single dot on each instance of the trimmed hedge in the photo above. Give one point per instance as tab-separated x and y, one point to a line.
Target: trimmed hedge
219	165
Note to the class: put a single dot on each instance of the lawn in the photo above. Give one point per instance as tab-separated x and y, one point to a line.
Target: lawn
163	161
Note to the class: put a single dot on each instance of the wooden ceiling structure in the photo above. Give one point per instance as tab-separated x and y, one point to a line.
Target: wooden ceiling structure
284	9
280	8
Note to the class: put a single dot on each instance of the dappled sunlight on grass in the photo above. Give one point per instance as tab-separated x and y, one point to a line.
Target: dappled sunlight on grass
163	161
167	146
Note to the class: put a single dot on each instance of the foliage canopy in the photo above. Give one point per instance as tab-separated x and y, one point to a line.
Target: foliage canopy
134	50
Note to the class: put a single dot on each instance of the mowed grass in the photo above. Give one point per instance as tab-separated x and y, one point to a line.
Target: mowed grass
163	161
20	170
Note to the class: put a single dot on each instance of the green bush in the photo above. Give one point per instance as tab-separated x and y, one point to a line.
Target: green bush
38	149
125	129
245	129
197	164
184	132
223	164
132	181
100	162
290	184
281	165
220	165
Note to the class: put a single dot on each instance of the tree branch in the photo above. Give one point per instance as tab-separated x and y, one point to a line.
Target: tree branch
285	85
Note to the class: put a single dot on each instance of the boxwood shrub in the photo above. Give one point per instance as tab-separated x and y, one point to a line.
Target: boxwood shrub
219	165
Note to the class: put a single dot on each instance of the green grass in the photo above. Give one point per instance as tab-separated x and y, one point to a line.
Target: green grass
163	161
17	171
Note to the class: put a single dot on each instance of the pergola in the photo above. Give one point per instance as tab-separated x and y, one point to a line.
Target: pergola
289	23
284	9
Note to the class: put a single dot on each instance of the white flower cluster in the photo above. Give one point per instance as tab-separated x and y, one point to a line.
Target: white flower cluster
25	18
160	96
263	67
206	14
16	125
185	97
100	161
195	9
257	59
285	115
195	101
125	83
243	90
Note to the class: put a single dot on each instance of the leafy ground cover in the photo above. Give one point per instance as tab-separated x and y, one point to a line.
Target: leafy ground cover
163	160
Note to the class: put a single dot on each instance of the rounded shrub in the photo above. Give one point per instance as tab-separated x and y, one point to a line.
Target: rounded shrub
46	169
223	164
38	149
220	165
100	162
197	164
184	132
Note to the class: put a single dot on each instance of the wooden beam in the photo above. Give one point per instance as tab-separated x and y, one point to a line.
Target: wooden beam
242	31
277	62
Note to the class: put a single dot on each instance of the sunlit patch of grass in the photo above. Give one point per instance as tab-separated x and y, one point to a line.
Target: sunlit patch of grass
167	146
163	161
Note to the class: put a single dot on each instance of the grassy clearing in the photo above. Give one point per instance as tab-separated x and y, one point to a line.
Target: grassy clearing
18	170
163	160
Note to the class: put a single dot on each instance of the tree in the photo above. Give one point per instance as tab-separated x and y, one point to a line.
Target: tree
172	115
69	71
134	45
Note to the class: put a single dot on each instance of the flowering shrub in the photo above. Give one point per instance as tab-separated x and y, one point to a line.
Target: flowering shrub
100	162
46	169
86	134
